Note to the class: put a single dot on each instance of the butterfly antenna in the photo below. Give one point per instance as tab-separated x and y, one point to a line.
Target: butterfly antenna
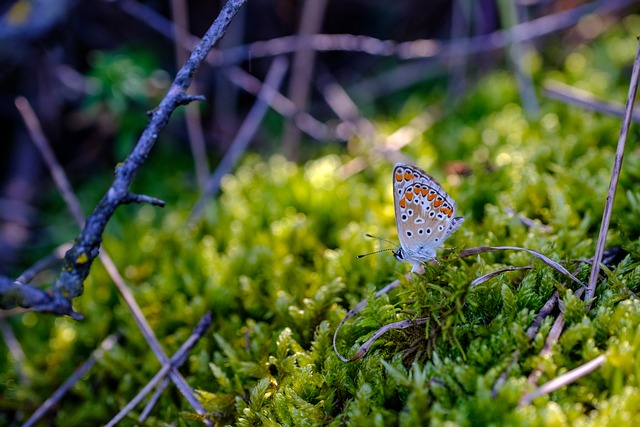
375	252
381	250
384	240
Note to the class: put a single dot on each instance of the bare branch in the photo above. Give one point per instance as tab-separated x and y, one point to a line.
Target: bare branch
141	198
302	69
80	257
65	187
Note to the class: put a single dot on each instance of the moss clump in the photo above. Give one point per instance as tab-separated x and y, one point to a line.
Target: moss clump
274	260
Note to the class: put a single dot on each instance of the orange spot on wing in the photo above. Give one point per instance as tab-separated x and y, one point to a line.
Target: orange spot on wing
446	211
408	195
408	176
424	192
399	176
431	196
416	190
438	202
403	203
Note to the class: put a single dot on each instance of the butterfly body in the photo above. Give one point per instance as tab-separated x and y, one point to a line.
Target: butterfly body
425	214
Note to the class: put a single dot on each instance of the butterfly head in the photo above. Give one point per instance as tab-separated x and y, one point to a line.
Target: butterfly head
400	254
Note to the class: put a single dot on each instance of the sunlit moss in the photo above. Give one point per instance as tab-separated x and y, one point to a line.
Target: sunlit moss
274	259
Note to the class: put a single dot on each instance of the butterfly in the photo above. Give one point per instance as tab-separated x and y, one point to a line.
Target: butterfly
425	214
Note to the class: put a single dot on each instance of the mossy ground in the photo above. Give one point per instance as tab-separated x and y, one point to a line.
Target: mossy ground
274	260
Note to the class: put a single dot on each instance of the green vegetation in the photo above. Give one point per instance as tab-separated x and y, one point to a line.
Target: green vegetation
274	260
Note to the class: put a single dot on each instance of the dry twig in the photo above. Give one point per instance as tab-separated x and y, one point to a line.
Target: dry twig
64	187
168	367
80	257
613	184
563	380
106	345
572	95
195	134
243	137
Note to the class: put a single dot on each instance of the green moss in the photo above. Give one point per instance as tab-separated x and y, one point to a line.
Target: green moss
274	260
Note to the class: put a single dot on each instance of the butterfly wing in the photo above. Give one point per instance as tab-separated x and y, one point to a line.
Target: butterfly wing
424	212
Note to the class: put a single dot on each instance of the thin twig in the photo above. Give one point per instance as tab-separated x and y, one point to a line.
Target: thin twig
195	134
154	399
15	350
528	222
47	262
167	367
402	324
280	103
545	259
517	52
573	95
80	257
64	185
106	345
533	329
148	334
563	380
301	72
57	173
552	337
243	137
457	49
360	306
613	184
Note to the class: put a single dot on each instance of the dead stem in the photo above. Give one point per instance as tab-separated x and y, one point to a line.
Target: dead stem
613	184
